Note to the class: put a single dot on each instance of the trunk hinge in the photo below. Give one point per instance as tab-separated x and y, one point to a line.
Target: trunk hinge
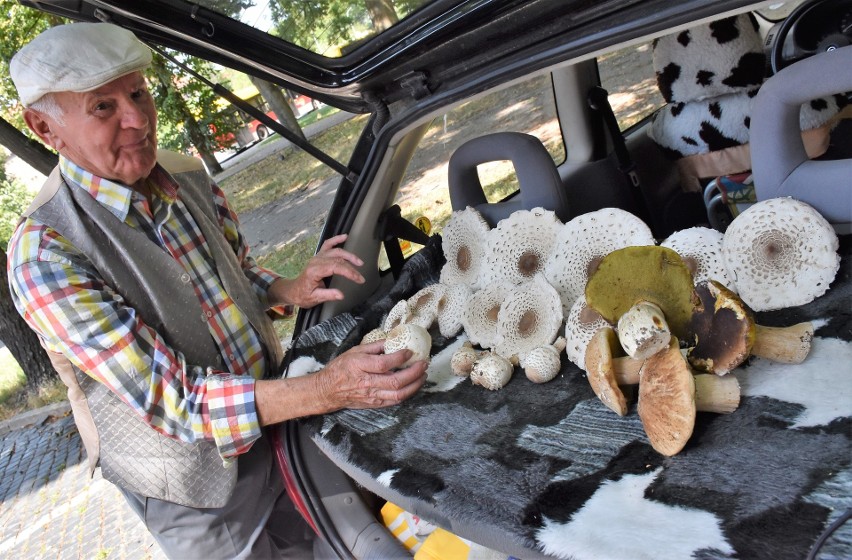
416	85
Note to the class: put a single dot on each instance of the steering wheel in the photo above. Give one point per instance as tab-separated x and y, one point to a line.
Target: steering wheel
815	26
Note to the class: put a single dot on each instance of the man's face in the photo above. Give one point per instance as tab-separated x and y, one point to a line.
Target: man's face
111	131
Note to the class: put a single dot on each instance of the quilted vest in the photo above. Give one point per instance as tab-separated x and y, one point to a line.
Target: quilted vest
130	453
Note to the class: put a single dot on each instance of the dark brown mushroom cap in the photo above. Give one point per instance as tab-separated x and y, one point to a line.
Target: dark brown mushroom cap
667	400
722	330
600	370
645	273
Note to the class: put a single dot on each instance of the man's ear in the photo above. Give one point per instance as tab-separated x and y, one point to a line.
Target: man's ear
44	127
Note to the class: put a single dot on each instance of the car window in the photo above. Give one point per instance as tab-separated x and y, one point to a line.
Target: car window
628	75
526	107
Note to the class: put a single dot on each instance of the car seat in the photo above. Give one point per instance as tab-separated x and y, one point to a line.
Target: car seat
538	179
709	76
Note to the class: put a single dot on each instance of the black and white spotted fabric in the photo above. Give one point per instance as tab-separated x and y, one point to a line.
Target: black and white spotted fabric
709	76
547	471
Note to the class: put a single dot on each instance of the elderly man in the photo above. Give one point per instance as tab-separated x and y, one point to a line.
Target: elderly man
131	268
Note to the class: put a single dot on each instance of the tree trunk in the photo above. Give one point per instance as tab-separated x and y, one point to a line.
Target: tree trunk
197	133
382	14
278	103
31	151
21	341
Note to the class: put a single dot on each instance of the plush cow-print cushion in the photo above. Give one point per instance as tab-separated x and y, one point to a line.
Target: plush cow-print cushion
719	58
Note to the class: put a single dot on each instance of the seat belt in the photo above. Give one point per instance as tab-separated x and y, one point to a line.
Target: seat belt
393	228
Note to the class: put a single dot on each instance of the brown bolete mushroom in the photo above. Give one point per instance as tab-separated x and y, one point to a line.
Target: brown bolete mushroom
670	396
606	372
656	281
722	333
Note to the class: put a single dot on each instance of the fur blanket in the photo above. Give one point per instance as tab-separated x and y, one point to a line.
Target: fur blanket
547	471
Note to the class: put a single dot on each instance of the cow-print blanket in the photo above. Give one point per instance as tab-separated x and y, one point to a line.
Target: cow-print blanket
547	471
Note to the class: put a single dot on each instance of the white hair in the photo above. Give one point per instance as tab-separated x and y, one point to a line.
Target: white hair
47	105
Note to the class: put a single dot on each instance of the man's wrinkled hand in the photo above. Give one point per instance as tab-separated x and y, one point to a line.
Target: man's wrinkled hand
365	377
309	289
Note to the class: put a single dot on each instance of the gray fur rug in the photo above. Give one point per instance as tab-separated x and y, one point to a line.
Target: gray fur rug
546	470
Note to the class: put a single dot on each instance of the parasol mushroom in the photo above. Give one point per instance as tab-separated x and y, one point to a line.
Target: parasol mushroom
463	359
480	315
581	324
520	245
530	316
374	336
424	305
491	371
583	241
464	249
542	364
451	307
668	398
722	333
701	250
781	253
656	279
400	313
412	337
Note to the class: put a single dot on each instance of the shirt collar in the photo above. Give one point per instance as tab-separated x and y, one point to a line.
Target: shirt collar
116	197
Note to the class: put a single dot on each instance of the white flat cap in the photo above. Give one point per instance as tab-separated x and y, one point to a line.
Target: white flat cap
76	57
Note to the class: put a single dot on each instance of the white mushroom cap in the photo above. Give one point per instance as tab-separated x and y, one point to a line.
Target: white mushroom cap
374	336
491	371
424	305
701	250
543	363
412	337
463	359
480	314
531	316
580	325
520	245
781	253
583	241
399	314
451	308
463	241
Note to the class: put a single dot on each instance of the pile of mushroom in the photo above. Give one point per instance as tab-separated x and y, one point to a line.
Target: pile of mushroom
671	318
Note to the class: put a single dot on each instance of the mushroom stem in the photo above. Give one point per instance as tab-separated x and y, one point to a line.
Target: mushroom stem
627	370
787	345
643	330
716	394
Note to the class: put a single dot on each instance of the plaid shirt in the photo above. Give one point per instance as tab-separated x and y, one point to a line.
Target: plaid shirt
63	298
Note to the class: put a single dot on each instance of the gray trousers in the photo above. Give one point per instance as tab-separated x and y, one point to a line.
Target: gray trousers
259	522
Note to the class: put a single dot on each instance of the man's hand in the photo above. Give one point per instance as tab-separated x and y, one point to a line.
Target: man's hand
308	289
361	377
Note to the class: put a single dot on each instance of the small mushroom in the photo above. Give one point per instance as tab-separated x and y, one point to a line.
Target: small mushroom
581	324
583	241
648	274
520	245
530	316
491	371
722	333
670	395
412	337
643	331
374	336
782	253
543	363
451	306
400	313
424	305
463	242
463	359
701	250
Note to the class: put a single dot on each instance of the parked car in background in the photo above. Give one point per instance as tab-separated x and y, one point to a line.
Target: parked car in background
517	95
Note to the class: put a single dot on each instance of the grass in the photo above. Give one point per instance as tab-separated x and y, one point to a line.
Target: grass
14	398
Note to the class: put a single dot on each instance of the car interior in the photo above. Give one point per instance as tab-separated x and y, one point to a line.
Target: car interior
586	157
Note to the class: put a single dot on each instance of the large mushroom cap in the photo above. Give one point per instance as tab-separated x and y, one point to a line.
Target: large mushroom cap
463	242
424	305
400	313
600	371
451	306
520	245
781	253
530	316
580	325
480	314
667	400
643	274
701	250
583	241
722	330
